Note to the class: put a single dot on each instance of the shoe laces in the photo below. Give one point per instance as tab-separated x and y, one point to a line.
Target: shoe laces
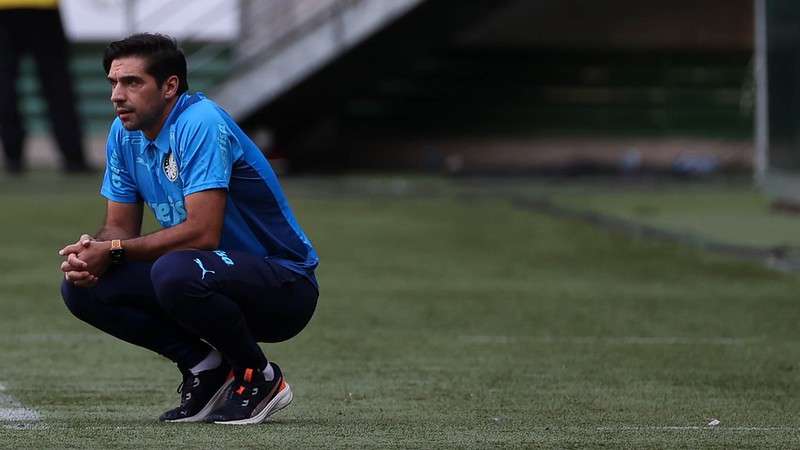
186	396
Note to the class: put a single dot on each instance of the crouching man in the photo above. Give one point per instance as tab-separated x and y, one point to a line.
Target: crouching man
230	268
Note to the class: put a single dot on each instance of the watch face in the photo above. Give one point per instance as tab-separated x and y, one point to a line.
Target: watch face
117	256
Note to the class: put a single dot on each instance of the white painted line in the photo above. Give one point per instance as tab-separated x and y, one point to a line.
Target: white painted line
2	387
11	410
18	415
661	429
618	340
692	428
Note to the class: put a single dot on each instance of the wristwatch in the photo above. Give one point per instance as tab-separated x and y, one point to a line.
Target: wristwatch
117	252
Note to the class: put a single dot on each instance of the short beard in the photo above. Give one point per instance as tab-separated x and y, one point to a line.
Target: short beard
149	120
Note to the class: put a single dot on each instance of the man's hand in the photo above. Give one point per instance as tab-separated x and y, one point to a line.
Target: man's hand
81	279
75	269
96	256
77	247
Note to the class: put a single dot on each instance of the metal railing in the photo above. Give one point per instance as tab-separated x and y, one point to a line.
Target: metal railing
267	24
284	41
165	13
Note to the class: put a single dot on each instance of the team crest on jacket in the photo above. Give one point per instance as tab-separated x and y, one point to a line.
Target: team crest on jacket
170	167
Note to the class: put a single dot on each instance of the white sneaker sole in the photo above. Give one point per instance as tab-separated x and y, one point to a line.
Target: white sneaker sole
281	400
216	400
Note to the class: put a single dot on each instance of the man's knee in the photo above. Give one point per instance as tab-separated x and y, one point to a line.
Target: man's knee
174	280
78	300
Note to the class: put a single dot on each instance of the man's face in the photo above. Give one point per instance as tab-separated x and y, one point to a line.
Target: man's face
138	100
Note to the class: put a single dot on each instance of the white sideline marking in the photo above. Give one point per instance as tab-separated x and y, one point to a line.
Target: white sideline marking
625	340
11	410
692	428
654	428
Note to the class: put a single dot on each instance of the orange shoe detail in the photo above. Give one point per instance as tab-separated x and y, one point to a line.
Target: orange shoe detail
248	375
240	391
283	385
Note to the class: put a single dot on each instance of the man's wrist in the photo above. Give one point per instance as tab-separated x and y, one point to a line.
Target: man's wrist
116	252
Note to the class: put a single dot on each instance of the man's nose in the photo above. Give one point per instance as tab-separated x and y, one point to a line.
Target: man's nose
117	94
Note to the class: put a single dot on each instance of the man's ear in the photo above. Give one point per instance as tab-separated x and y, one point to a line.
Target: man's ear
170	87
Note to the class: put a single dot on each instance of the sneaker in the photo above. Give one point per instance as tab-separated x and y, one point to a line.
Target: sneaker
251	399
200	394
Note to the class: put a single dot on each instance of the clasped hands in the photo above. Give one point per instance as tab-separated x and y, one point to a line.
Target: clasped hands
85	261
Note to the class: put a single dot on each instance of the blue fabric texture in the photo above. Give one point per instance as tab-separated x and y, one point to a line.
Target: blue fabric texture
200	147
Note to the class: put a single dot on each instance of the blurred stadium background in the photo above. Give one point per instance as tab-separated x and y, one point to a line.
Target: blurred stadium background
483	86
541	223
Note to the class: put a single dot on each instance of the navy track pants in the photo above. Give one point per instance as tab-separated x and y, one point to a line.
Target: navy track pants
189	298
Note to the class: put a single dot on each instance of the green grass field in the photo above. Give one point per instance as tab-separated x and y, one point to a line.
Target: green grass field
731	211
448	318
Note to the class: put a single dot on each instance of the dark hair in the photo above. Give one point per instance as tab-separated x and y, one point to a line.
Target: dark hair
161	52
